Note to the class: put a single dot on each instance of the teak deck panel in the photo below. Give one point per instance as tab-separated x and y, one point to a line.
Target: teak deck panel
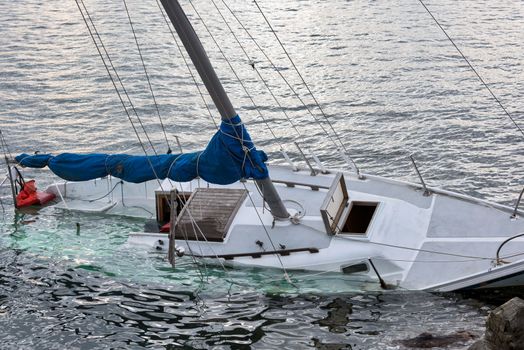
208	213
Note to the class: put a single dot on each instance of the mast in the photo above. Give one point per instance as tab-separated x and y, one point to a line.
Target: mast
213	85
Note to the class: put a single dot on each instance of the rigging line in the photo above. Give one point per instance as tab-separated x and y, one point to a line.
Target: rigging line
184	231
473	69
114	69
275	68
193	259
4	145
236	75
115	86
110	76
511	256
302	78
267	233
422	250
195	224
196	58
186	63
189	67
255	68
147	76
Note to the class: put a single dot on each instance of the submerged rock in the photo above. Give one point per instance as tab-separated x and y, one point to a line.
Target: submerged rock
504	328
427	340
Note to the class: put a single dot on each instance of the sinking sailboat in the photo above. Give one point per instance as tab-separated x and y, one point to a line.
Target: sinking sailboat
225	205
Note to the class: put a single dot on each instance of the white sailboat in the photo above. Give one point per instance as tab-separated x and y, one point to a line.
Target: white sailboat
221	205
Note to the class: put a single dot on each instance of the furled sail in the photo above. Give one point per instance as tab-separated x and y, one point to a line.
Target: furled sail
229	156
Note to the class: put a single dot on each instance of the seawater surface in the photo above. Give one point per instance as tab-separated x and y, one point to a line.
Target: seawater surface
385	75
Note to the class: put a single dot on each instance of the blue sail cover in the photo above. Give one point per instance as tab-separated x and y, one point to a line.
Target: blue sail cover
229	156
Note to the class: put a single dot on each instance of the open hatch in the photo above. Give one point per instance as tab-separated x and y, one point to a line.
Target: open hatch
342	216
205	214
359	218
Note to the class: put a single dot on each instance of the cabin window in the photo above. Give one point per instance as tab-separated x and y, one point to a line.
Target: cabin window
359	218
362	267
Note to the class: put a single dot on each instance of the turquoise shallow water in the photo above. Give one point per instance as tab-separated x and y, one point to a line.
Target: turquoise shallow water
388	79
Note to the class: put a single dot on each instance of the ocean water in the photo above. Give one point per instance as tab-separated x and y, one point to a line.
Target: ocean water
390	83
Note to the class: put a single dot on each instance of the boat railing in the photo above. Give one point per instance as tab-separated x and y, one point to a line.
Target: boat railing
427	192
514	215
498	260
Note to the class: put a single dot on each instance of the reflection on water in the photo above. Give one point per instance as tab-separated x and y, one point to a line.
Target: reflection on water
46	306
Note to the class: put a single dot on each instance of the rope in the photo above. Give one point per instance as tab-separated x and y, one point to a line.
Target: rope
3	144
253	65
472	68
278	71
424	250
186	63
116	88
301	78
235	73
105	195
147	77
116	74
286	276
206	240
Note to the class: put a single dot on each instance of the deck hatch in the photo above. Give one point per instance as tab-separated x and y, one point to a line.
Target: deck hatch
334	204
359	218
210	210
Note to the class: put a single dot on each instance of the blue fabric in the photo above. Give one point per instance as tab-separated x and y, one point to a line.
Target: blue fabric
229	156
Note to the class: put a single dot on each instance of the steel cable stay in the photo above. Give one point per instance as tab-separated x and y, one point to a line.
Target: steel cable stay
292	89
115	73
190	45
181	52
121	100
286	275
187	64
5	147
278	71
473	69
337	136
266	85
117	90
195	227
236	75
115	85
169	151
253	65
464	256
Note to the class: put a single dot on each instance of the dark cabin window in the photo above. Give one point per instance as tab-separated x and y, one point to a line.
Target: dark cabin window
359	218
355	268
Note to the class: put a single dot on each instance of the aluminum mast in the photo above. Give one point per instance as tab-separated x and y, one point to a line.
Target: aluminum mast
213	85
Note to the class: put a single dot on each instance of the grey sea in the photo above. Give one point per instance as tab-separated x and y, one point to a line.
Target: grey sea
387	78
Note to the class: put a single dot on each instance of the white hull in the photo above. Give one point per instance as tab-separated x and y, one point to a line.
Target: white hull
442	242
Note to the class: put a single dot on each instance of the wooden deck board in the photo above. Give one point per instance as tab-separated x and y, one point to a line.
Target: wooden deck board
209	213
